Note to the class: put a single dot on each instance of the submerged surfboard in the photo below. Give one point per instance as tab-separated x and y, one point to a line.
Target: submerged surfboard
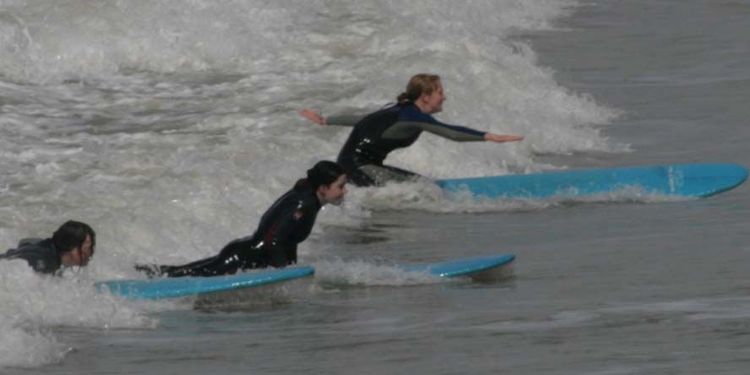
484	267
682	180
190	286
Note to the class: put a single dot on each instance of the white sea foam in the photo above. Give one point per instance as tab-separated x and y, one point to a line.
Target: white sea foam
343	273
33	306
171	126
174	136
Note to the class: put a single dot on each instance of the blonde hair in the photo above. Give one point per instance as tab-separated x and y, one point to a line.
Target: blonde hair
419	84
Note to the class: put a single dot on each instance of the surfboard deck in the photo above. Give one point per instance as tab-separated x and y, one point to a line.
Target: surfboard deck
479	268
682	180
196	286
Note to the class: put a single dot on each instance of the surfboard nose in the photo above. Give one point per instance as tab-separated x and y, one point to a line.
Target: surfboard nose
680	180
712	179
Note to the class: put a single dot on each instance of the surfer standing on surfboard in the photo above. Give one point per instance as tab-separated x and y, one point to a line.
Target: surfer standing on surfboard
287	223
397	126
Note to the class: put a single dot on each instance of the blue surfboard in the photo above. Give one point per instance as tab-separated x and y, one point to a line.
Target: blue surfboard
484	267
192	286
681	180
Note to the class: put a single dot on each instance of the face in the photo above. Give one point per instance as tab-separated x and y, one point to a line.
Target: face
433	102
80	255
333	193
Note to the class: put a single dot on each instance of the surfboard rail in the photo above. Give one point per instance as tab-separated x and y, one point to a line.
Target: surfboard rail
188	286
681	180
462	267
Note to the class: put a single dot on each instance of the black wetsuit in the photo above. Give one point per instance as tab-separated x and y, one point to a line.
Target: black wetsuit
42	255
391	128
287	223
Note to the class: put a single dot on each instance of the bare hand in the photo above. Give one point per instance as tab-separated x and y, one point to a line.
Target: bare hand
491	137
313	116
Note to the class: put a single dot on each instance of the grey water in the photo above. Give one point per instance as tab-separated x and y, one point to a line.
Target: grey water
610	287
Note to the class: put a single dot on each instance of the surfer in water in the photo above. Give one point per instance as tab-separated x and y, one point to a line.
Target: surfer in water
274	243
397	126
71	245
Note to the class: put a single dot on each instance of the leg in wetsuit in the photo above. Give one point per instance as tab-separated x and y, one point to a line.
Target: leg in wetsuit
237	255
379	175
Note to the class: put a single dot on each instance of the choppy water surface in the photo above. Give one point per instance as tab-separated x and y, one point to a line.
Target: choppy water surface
172	126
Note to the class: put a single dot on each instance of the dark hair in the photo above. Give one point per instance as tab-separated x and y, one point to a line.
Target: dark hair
419	84
71	235
322	173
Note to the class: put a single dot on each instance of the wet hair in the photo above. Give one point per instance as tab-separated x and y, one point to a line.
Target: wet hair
73	234
419	84
322	173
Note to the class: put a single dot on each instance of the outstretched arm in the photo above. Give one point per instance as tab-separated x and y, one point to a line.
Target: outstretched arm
313	116
500	138
452	132
342	120
412	119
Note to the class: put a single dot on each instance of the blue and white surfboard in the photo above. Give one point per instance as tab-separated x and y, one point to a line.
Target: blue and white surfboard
483	267
193	286
681	180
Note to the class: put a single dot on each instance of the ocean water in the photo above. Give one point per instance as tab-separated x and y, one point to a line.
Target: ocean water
171	126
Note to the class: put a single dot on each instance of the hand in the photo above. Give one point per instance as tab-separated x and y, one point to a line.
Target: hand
491	137
313	116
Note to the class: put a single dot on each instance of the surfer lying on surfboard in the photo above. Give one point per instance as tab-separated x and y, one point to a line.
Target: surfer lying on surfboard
72	245
287	223
397	126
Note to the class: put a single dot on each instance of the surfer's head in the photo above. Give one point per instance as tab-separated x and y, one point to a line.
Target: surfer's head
426	91
328	180
75	242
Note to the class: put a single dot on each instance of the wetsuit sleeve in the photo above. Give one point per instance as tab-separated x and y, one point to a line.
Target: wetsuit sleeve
413	121
29	241
344	120
42	260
